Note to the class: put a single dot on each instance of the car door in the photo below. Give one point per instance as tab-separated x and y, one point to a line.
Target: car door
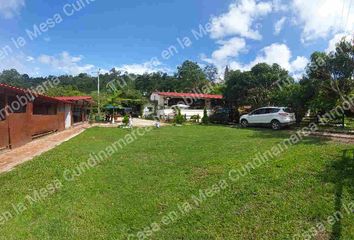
256	116
269	115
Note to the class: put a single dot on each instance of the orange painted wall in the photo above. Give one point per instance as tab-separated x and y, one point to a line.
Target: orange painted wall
4	134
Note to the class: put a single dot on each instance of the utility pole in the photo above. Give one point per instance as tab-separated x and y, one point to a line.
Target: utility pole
98	92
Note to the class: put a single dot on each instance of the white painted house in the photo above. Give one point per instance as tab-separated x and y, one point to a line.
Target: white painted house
191	104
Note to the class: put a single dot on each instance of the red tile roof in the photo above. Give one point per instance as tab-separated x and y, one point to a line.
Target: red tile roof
24	91
190	95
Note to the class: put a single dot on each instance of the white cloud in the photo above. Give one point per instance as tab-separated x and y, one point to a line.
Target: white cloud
275	53
29	59
279	6
64	62
280	54
146	67
228	49
278	26
239	20
11	8
225	54
299	64
336	39
322	18
22	63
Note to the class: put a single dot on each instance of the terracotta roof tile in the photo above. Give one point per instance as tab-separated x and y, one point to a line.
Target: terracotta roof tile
24	91
190	95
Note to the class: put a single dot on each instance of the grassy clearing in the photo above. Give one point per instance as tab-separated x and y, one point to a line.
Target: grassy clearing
152	176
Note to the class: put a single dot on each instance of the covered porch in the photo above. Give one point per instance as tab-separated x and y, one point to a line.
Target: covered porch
190	104
78	109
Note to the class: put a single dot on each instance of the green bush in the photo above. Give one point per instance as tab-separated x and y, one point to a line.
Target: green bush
205	119
195	118
125	120
179	118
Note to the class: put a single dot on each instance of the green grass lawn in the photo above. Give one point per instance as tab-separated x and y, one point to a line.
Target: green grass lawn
148	180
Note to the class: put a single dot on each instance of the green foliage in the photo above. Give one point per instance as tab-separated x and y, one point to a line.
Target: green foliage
191	76
13	78
195	118
62	91
217	88
179	118
205	118
211	72
125	120
254	87
328	80
226	73
291	95
329	77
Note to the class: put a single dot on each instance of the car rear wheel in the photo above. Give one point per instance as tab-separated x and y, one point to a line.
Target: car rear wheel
275	124
244	123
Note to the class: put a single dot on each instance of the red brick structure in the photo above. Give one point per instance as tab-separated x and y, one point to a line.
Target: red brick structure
25	115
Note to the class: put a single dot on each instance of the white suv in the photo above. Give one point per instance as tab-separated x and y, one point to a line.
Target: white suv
276	117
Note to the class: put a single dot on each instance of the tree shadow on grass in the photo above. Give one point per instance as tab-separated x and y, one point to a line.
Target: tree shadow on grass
341	174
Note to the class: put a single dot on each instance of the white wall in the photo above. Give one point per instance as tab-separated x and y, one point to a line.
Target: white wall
188	112
67	116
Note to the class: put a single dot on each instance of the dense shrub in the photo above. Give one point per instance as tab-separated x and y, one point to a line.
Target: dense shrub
179	118
195	118
125	120
205	119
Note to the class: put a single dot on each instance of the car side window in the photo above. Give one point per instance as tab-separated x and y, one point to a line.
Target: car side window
272	110
288	110
259	111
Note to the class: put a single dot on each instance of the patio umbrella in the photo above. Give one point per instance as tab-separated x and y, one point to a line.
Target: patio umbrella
180	106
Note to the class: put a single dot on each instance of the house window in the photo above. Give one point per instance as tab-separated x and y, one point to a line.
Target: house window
15	105
44	108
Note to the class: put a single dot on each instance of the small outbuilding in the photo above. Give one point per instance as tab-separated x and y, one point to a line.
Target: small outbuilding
26	115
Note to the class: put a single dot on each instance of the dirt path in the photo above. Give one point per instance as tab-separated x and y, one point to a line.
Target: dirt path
137	122
340	137
12	158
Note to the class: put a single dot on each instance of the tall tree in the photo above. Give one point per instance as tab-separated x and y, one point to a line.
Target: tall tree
211	72
341	68
329	77
226	73
190	76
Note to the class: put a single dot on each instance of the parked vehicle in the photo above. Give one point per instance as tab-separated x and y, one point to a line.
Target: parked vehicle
221	115
275	117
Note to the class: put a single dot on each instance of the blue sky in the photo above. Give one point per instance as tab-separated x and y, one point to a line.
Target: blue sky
133	35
